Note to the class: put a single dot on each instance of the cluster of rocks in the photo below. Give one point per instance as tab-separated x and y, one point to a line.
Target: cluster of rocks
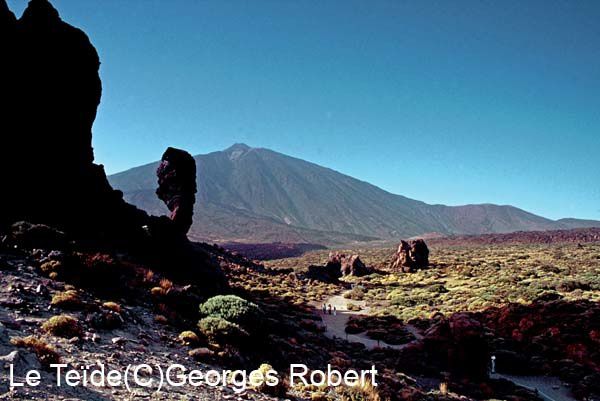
51	89
411	256
339	265
347	265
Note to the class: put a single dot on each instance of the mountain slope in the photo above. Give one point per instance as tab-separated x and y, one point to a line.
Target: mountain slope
253	194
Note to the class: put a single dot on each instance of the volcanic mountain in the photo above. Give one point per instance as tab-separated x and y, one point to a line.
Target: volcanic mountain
250	194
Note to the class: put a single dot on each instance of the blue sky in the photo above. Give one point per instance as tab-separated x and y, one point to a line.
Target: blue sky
448	102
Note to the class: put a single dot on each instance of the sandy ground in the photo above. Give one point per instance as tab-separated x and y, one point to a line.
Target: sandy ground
336	324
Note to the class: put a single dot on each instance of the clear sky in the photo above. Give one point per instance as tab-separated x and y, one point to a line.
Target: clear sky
448	102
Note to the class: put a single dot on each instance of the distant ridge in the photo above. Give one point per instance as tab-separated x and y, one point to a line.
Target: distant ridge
574	235
250	194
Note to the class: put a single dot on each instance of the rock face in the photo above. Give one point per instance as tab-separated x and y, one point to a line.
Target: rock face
419	253
177	186
403	261
411	256
50	91
340	265
353	266
333	267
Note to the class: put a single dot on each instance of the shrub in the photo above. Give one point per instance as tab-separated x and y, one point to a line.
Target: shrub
220	330
189	338
166	284
45	353
158	292
357	294
261	385
67	300
51	266
439	288
231	308
112	306
572	285
364	391
62	326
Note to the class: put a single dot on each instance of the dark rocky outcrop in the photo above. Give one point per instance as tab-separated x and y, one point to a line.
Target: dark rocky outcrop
334	264
50	93
403	261
337	266
177	186
411	256
419	253
353	266
330	273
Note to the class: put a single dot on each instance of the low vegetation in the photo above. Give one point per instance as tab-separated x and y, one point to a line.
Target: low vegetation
62	326
46	354
231	308
221	331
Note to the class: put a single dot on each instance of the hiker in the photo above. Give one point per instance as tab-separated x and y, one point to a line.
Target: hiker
324	309
330	309
334	311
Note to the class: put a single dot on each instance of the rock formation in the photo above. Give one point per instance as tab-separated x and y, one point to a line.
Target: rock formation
419	253
411	256
353	266
339	265
177	186
403	261
50	93
334	264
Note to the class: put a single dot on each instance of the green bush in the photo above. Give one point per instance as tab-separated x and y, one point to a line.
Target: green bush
220	330
232	308
356	294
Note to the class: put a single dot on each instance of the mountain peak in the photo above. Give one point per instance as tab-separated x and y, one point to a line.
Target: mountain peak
236	147
237	150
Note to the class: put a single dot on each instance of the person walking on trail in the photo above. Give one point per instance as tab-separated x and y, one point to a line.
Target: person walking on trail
324	309
330	309
334	311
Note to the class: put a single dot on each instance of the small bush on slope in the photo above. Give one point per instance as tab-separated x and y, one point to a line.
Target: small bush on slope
220	330
62	326
231	308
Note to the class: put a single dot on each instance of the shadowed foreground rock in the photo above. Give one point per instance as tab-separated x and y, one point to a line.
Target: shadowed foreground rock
50	91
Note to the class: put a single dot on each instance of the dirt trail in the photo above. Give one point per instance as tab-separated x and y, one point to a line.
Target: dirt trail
336	323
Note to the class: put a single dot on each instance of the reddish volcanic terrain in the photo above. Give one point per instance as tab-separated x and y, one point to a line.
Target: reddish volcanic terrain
578	235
